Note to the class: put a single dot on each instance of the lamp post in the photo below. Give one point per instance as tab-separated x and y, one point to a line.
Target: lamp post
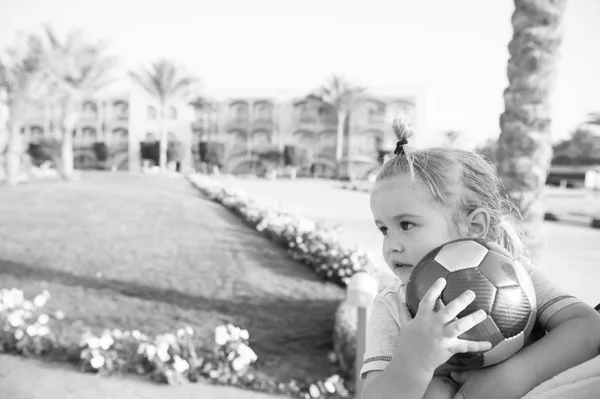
360	292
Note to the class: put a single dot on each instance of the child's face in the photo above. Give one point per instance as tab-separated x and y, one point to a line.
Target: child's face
411	221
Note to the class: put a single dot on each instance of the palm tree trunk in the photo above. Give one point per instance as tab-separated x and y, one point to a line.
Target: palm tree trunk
66	151
12	155
524	147
162	157
339	145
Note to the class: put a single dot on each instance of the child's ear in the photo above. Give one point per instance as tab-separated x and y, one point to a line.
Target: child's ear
478	223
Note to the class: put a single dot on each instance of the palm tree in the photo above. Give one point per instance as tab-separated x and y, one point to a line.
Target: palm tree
340	94
20	83
524	147
76	69
166	82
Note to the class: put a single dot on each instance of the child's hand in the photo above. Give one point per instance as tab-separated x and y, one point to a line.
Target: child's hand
431	338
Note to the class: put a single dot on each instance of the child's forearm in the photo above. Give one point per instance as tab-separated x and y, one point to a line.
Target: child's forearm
399	380
567	345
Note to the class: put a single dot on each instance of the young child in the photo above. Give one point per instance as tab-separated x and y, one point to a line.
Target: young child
420	200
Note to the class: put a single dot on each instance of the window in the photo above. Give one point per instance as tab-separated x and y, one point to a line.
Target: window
172	113
151	113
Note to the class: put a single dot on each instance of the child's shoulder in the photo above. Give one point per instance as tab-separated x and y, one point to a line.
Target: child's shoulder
392	294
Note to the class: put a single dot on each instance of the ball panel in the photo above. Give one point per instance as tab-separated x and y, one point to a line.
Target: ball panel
460	255
504	350
499	270
421	279
459	281
511	310
487	330
469	360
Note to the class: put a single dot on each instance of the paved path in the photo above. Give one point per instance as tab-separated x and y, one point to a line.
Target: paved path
22	378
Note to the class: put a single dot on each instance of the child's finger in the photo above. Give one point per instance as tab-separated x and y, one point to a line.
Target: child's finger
464	346
404	314
431	296
439	305
456	306
460	326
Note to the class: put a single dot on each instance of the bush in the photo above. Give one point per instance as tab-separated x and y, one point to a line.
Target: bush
101	151
150	150
292	155
270	158
46	150
215	154
175	151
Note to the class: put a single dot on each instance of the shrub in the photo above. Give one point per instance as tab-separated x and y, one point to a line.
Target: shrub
175	151
101	151
46	150
215	153
292	155
150	150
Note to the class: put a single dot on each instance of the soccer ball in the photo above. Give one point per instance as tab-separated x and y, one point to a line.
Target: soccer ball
502	288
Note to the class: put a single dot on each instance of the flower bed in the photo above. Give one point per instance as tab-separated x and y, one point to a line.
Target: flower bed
306	241
25	329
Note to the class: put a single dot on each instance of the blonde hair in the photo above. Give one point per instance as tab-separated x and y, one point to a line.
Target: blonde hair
442	169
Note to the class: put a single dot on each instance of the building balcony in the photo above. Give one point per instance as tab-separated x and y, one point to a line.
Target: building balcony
238	124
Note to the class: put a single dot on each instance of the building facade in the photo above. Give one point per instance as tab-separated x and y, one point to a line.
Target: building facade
246	125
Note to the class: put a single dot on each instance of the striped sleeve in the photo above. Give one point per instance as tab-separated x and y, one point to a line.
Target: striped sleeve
383	330
550	298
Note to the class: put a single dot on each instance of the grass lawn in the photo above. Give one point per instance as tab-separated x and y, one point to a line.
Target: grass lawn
146	252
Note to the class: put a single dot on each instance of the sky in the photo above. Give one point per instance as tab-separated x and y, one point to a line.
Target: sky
454	52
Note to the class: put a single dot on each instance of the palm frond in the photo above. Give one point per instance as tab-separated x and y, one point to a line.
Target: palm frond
164	80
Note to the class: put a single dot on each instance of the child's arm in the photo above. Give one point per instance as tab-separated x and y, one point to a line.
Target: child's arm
573	338
426	342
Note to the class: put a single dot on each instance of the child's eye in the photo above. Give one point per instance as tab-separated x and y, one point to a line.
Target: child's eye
383	230
407	225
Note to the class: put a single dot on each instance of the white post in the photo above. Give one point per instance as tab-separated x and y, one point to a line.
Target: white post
362	289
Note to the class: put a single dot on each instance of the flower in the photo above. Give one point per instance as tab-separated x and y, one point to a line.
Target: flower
246	353
238	364
59	315
32	330
97	361
150	351
93	342
244	335
43	319
221	335
15	319
136	334
189	330
27	305
179	364
19	334
106	341
234	332
313	390
43	330
162	351
329	387
40	300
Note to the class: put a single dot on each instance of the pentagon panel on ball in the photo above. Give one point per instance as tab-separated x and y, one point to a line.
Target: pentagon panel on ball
502	289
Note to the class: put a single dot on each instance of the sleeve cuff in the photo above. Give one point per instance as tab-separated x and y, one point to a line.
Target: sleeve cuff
375	363
546	311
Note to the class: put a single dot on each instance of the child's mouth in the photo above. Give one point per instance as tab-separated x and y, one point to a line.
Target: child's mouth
401	266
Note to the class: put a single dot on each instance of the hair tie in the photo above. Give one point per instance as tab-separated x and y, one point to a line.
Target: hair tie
400	147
